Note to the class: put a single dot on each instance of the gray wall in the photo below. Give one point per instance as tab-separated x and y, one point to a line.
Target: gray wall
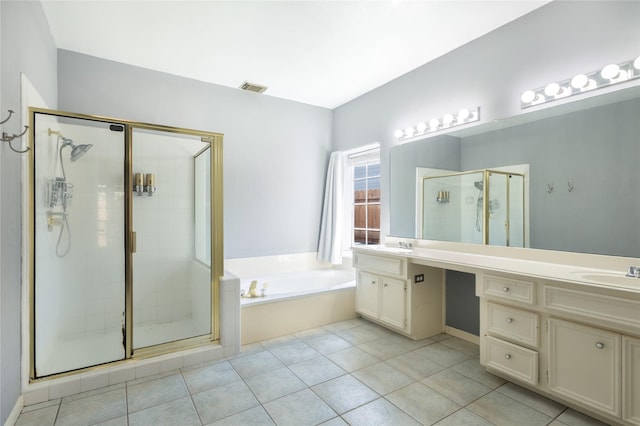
551	43
597	150
26	47
462	304
275	150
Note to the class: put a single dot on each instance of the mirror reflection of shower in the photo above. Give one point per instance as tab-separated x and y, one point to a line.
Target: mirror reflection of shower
60	192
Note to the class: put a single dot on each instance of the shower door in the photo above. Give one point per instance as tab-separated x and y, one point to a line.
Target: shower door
172	292
125	240
78	219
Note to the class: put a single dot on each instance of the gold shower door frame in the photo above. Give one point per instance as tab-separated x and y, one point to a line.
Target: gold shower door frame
486	174
215	141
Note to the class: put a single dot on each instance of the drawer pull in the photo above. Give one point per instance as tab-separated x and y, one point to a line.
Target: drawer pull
509	320
373	282
505	289
386	285
507	356
600	345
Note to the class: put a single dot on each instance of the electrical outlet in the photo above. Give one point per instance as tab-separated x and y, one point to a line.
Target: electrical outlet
419	278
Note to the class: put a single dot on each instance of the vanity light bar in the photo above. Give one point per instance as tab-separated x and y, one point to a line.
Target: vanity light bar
607	76
447	121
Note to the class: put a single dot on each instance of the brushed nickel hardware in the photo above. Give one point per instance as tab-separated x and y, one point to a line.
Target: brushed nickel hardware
509	320
507	356
505	289
600	345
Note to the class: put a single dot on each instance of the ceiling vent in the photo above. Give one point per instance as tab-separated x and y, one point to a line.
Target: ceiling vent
251	87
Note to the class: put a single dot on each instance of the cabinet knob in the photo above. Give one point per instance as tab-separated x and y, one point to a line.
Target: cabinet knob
386	285
373	282
505	289
599	345
507	356
509	320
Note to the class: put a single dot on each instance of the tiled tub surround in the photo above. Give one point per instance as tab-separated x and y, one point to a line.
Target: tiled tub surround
118	373
351	372
566	325
301	293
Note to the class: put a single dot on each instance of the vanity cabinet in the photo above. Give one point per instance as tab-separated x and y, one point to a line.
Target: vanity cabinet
403	297
585	365
631	380
577	344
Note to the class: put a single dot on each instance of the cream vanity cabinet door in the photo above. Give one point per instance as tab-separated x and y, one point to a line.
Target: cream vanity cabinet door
584	365
631	380
367	294
393	306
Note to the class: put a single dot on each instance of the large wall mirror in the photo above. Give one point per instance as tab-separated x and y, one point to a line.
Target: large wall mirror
583	161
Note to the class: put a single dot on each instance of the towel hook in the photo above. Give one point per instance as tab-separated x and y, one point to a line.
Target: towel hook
570	186
8	138
549	188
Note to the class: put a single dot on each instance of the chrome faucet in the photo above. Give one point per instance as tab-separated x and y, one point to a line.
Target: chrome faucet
634	271
405	245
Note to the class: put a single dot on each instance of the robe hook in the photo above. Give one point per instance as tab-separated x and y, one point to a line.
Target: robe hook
7	119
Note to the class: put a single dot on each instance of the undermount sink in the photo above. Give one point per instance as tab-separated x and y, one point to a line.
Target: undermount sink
612	279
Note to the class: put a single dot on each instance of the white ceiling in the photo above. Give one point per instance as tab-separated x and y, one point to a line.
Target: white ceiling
323	53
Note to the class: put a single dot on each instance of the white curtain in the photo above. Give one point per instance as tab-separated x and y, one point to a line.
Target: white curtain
331	227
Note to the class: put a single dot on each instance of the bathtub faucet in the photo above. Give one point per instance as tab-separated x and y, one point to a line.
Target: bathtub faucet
405	245
634	271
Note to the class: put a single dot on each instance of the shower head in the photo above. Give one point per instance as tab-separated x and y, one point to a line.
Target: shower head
478	185
77	151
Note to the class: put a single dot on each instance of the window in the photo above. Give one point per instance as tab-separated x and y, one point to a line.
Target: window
366	199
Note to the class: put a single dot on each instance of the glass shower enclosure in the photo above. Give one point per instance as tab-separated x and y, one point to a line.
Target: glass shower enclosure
122	262
482	207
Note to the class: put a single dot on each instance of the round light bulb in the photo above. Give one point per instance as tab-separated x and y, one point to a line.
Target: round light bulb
636	63
398	133
610	72
579	81
409	131
447	119
421	127
463	114
528	96
552	89
434	123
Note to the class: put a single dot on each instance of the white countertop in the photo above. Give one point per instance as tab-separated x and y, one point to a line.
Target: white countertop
608	271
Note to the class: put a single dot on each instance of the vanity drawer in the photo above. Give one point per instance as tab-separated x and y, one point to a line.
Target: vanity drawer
513	324
513	360
597	307
509	289
388	265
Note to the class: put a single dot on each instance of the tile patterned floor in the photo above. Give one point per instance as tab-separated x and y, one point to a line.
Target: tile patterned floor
351	372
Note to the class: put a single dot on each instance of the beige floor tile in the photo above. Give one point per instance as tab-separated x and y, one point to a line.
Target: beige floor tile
328	343
463	417
383	349
456	386
205	378
345	393
41	417
383	378
299	409
295	352
533	400
423	403
154	392
256	363
352	358
223	401
274	384
93	409
573	418
179	412
256	416
317	370
502	410
380	413
416	364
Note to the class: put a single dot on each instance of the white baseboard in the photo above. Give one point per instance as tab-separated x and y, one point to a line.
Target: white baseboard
15	413
472	338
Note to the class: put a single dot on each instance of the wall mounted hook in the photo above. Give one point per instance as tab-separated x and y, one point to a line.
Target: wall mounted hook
570	186
9	117
549	188
6	137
